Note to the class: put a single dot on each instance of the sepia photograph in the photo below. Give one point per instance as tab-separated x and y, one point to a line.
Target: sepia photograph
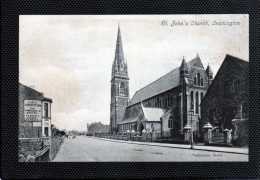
133	88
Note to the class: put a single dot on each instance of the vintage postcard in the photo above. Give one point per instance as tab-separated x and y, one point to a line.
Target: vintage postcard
133	88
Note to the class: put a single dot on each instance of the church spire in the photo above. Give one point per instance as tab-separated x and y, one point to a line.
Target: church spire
119	86
184	67
119	64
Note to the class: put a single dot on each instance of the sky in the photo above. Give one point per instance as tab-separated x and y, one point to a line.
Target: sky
69	57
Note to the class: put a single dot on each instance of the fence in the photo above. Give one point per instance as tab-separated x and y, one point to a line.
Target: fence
145	137
56	142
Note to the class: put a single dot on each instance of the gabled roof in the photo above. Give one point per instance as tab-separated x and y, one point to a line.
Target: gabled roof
144	113
242	64
196	62
168	81
153	114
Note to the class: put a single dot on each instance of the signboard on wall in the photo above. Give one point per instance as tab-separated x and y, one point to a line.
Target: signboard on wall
37	124
32	110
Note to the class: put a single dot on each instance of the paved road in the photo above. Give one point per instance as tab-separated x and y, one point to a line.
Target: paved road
84	149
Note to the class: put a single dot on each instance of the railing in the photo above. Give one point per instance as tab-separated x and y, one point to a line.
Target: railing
217	136
145	137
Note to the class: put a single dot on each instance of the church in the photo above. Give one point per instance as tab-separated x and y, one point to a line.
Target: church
164	107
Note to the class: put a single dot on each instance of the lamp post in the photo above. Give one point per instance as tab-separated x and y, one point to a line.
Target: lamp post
191	129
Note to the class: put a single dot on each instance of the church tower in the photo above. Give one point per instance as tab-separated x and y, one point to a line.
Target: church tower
184	76
119	86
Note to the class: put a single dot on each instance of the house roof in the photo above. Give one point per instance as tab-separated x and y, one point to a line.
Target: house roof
164	83
40	94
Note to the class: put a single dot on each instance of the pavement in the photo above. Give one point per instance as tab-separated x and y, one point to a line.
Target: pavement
237	150
93	149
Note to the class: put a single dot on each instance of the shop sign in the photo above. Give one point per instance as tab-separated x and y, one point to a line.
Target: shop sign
32	110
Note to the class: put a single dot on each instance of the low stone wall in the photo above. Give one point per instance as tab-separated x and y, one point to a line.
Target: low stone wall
240	133
30	149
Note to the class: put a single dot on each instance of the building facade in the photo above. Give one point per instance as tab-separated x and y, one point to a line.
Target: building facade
34	122
164	106
225	105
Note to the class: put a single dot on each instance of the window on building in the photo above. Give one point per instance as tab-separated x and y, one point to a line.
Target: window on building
170	122
201	97
122	89
195	81
198	78
191	100
201	82
197	103
157	102
46	131
45	109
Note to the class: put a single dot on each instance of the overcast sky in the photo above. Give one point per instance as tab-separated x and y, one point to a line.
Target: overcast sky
69	58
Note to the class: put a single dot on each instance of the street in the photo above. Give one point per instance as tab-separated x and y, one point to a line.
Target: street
86	149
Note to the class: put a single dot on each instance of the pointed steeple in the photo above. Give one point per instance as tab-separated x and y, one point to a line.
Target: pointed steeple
196	62
184	66
209	72
119	64
119	86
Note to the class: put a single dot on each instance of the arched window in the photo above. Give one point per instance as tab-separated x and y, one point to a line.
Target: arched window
46	110
201	81
198	78
122	89
157	102
195	81
201	97
197	103
170	122
191	100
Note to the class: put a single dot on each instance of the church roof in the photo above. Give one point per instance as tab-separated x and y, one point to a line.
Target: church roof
153	114
196	62
230	62
164	83
144	113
